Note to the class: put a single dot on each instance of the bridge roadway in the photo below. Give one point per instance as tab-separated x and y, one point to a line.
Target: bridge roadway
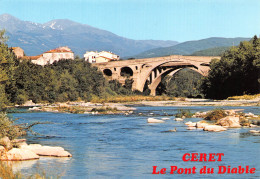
152	70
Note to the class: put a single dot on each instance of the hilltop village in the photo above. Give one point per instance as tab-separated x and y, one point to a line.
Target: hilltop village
61	53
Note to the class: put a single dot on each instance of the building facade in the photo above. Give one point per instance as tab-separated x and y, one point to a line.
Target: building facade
100	57
51	56
18	51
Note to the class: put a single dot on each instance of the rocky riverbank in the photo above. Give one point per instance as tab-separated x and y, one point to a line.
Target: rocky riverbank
19	150
221	120
123	107
199	102
218	120
83	107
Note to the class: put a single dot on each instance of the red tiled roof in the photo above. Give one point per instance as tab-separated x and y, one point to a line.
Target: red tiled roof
105	57
31	57
57	50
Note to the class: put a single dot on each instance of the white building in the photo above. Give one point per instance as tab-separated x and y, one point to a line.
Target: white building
100	57
90	56
51	56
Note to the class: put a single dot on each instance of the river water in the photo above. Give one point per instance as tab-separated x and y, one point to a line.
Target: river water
120	146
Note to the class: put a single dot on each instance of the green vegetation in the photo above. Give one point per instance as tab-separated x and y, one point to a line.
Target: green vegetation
65	80
70	109
216	51
132	98
215	115
236	73
244	97
184	112
104	110
185	83
6	172
7	68
9	129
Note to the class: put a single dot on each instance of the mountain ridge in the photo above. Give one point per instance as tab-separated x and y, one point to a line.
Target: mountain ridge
189	47
35	38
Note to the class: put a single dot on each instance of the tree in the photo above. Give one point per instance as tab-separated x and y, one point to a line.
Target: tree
236	73
184	83
8	63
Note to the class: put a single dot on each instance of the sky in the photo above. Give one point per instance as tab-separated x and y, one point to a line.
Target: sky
179	20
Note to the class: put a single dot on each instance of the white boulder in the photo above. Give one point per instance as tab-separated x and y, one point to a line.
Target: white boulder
178	119
254	131
229	121
214	128
249	114
47	150
165	118
201	124
153	120
16	154
190	124
253	125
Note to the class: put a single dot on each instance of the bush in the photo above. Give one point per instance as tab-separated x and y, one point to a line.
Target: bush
215	115
184	112
12	131
7	128
6	171
103	109
21	99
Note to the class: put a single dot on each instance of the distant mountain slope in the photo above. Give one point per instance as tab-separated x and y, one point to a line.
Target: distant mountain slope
35	38
217	51
189	47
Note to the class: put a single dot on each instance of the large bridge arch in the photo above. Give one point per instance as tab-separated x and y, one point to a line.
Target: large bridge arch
156	81
157	73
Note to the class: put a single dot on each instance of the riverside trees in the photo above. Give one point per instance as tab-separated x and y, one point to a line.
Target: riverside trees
236	73
8	64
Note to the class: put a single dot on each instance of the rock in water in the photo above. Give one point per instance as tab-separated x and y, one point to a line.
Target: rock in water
229	121
178	119
47	150
190	124
201	124
214	128
152	120
254	131
173	130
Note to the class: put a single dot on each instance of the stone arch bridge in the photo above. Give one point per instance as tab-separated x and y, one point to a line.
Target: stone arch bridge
152	70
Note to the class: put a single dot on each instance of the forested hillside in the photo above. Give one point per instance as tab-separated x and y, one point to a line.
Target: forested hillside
217	51
189	47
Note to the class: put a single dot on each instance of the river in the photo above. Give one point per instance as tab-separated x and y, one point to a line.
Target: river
120	146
